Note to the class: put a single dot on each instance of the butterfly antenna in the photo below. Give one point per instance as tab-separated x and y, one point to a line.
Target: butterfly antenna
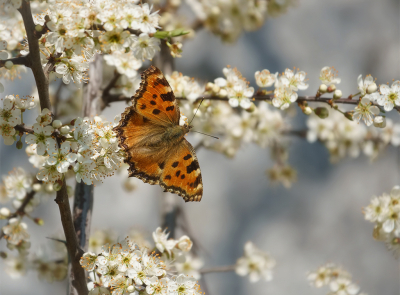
204	134
196	111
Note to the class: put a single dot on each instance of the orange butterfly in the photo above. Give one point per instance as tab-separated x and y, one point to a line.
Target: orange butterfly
150	134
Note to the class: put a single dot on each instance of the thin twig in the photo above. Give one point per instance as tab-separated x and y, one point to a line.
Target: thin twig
118	97
227	268
74	251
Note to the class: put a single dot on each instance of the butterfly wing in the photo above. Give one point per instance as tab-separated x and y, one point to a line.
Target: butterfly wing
155	99
140	139
181	173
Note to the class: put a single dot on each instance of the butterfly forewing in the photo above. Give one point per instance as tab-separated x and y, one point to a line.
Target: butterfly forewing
155	99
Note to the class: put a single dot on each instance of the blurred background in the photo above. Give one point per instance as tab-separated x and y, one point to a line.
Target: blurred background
320	218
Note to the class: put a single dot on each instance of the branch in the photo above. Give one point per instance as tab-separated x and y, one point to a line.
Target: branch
20	60
106	92
41	77
74	251
21	209
227	268
23	129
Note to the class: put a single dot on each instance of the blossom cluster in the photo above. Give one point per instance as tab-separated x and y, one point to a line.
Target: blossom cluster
343	137
338	280
384	211
128	267
51	265
235	87
227	19
74	31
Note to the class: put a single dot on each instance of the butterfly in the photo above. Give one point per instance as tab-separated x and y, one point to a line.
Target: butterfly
156	149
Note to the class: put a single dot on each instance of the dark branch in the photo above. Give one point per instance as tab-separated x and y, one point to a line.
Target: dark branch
25	202
106	92
21	60
23	129
41	78
75	252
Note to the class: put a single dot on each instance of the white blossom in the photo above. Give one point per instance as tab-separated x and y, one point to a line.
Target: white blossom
329	76
16	231
366	111
255	263
61	157
41	138
265	78
144	46
390	96
9	113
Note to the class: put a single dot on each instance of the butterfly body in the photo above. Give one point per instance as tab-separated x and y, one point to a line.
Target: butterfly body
154	142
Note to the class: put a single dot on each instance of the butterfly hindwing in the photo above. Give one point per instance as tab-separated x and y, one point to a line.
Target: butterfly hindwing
155	99
181	173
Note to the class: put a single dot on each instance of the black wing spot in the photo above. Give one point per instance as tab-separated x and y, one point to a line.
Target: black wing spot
187	157
168	177
175	164
154	95
192	167
183	176
169	96
161	165
153	102
178	173
145	120
197	181
156	111
162	81
143	106
191	184
170	108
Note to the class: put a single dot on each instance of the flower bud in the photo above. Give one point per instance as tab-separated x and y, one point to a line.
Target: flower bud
321	112
337	94
372	88
56	186
331	88
8	64
130	289
185	244
38	28
251	109
323	88
349	115
4	212
64	129
74	145
19	145
209	86
38	221
36	187
307	111
223	93
380	122
57	124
